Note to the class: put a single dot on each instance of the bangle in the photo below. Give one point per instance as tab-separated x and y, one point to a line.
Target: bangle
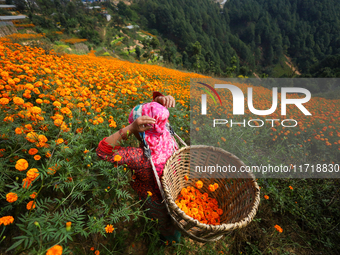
124	137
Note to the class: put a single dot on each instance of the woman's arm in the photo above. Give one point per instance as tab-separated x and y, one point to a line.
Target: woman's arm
141	124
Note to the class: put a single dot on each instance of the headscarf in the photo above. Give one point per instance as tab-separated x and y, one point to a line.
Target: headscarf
159	139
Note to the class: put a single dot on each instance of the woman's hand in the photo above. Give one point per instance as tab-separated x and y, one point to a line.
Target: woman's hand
167	101
141	124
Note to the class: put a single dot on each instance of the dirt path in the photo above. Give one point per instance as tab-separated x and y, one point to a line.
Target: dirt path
290	64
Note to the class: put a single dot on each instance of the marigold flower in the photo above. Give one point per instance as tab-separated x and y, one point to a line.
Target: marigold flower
35	110
11	197
48	154
26	183
18	101
32	174
86	151
149	193
291	187
278	228
199	184
6	220
32	151
109	228
97	252
266	197
4	101
60	140
33	195
117	158
68	225
186	177
30	205
21	164
37	157
55	250
211	188
92	249
18	131
216	186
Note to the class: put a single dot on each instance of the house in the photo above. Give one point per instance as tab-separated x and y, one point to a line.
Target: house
11	18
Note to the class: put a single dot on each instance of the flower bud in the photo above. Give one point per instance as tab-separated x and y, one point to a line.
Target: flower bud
68	226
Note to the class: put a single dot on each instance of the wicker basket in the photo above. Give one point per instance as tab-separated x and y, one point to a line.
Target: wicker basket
237	197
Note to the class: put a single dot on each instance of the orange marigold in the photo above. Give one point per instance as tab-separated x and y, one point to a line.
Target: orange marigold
55	250
199	184
37	157
186	177
6	220
26	183
21	164
97	252
32	151
278	228
18	101
117	158
33	195
266	196
30	205
32	174
291	187
109	228
11	197
211	188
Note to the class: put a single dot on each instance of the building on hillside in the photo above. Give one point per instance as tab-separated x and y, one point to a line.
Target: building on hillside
7	7
12	18
132	26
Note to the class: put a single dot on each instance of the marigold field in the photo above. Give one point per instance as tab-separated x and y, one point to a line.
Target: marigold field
56	195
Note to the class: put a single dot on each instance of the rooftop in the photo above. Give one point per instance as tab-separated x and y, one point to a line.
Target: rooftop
7	6
13	17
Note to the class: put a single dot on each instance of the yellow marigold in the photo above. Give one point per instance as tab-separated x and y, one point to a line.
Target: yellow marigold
18	101
35	110
39	101
42	139
11	197
32	137
57	104
21	164
37	157
55	250
6	220
30	205
32	174
58	122
109	228
123	91
117	158
60	140
32	151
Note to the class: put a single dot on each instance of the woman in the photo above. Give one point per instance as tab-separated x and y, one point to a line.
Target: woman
162	145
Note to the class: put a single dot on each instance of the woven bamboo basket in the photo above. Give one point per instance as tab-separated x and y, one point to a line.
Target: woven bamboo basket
238	194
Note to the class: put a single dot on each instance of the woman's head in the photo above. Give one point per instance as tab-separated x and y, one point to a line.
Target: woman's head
155	111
